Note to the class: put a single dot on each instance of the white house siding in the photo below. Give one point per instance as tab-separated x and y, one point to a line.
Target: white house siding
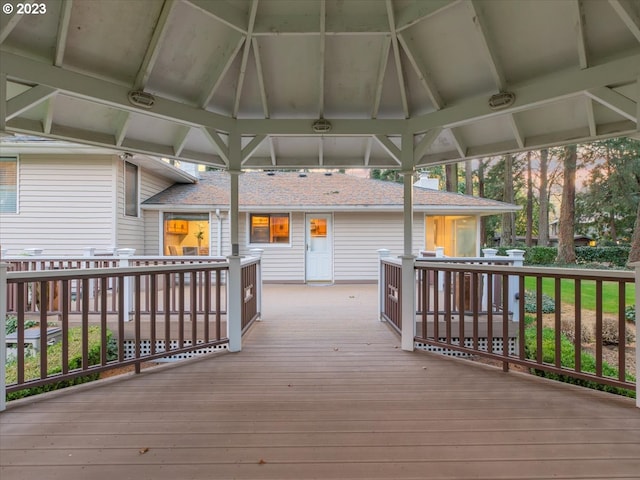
152	232
359	235
130	231
65	204
280	263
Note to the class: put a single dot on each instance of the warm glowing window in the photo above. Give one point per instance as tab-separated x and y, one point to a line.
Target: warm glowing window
186	233
456	233
269	228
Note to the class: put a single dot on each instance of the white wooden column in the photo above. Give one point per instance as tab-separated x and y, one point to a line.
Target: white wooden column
636	265
234	282
3	326
408	300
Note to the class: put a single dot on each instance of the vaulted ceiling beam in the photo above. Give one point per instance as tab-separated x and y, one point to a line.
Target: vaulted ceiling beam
425	142
47	121
420	69
420	10
459	143
628	14
245	57
536	92
260	76
382	68
8	22
307	25
153	48
321	57
398	60
28	99
581	42
106	93
614	101
303	128
252	146
222	65
122	125
63	30
390	147
181	139
225	12
217	142
591	117
367	151
272	151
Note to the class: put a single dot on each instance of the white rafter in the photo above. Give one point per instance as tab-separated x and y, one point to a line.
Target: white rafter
63	29
222	65
3	102
153	49
425	142
581	43
261	86
591	117
28	99
460	145
106	93
8	23
245	57
421	10
517	131
367	152
320	152
421	71
614	101
47	121
252	146
382	68
272	151
218	143
321	57
628	14
390	147
225	12
398	60
181	139
122	125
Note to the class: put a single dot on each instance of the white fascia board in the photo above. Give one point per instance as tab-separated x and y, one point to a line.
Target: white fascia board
440	209
53	147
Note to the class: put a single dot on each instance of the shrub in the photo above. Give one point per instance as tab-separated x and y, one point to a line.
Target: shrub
568	329
540	255
611	333
530	306
54	366
12	324
615	256
630	313
567	359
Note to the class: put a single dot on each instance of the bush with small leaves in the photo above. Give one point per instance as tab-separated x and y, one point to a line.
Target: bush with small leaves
530	303
611	332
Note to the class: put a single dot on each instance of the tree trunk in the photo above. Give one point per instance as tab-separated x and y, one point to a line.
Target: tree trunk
483	223
468	177
566	228
529	233
451	177
634	254
543	221
507	238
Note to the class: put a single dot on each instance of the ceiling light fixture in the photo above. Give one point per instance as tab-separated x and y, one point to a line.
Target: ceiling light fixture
141	99
501	100
321	126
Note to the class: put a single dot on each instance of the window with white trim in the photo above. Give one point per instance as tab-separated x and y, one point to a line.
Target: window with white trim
131	190
269	228
8	185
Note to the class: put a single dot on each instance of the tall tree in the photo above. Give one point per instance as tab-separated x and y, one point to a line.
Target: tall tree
634	254
566	230
451	177
529	230
543	221
468	177
508	236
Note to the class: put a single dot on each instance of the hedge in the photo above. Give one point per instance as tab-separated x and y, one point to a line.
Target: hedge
54	364
614	256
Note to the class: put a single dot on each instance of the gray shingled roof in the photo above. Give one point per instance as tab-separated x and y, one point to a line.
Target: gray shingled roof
313	190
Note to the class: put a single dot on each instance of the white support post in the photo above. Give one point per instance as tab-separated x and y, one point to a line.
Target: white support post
382	284
234	282
440	254
488	253
3	335
515	295
637	267
124	254
408	296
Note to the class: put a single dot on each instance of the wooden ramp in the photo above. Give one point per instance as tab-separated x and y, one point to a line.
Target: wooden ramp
322	390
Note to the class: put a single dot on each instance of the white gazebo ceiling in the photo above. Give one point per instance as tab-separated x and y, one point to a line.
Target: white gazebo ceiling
375	69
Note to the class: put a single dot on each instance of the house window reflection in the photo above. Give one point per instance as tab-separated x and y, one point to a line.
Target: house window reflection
186	233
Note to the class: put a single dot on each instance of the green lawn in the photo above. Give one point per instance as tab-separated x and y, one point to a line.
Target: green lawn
567	290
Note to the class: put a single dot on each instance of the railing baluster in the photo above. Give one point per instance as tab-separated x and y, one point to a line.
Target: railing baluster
558	324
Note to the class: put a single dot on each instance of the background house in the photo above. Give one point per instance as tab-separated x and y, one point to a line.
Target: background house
63	197
314	227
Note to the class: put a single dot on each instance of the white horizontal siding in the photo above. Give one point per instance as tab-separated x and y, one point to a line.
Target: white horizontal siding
65	204
280	263
359	236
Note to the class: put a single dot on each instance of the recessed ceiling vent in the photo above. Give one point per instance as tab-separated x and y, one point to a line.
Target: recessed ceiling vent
501	100
141	99
321	126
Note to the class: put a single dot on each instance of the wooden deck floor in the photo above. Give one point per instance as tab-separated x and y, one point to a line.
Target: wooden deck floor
322	390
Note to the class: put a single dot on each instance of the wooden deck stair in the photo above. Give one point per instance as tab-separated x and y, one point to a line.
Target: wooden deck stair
322	390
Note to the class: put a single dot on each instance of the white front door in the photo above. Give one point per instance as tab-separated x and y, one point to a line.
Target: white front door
319	248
